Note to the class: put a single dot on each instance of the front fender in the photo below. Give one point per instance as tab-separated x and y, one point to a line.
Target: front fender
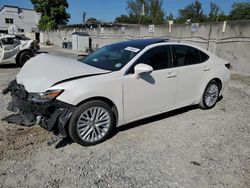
79	90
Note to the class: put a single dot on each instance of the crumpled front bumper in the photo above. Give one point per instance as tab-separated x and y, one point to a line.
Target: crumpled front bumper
53	115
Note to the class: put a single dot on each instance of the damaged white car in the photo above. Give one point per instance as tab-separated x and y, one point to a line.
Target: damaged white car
117	84
18	48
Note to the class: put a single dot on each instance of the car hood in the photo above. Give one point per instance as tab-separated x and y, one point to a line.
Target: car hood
41	72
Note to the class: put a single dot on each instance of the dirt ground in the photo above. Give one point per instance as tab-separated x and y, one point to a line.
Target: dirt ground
184	148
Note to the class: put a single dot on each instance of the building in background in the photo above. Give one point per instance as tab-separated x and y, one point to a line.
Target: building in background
15	20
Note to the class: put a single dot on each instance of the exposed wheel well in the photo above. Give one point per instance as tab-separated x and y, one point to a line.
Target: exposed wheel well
107	101
218	81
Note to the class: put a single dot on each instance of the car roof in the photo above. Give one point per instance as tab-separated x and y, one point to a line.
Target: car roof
142	43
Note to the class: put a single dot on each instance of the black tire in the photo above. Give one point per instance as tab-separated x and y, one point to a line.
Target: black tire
204	104
73	127
23	57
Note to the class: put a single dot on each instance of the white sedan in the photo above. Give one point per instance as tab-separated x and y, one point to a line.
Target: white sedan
115	85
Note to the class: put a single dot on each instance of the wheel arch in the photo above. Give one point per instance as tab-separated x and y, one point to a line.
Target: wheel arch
107	101
20	52
25	50
218	80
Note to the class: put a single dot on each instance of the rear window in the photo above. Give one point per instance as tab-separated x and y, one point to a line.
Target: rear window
186	55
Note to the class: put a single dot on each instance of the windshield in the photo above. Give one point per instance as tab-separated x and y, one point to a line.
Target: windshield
112	57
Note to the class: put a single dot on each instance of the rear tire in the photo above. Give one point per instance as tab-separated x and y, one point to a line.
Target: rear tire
210	95
23	57
91	123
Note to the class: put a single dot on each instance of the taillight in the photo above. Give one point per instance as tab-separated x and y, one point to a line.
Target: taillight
228	65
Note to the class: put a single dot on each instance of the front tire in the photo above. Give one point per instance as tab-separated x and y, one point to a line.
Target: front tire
23	57
91	123
210	95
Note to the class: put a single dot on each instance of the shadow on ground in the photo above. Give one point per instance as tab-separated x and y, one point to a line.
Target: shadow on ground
153	119
68	141
9	66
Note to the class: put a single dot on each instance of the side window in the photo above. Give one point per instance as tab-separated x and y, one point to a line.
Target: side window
8	41
186	55
204	57
158	58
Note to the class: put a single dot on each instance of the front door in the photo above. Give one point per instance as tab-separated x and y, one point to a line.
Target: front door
150	93
9	48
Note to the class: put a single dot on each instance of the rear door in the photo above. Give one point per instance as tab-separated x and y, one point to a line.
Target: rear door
193	68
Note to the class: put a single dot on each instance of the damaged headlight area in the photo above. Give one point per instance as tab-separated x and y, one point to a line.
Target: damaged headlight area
44	97
38	108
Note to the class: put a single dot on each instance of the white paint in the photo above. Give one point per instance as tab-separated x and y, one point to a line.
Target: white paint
44	70
151	28
224	26
170	23
132	49
80	43
102	30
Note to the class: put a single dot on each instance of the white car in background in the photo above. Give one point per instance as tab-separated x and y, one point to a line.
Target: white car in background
115	85
18	48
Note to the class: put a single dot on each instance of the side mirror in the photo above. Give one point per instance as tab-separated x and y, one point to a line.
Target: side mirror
142	68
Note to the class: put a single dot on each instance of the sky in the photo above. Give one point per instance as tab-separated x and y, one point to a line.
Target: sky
108	10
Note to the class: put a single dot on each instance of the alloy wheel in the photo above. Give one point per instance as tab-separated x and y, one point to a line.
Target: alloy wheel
93	124
211	95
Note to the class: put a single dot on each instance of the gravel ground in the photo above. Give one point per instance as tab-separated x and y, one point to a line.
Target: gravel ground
184	148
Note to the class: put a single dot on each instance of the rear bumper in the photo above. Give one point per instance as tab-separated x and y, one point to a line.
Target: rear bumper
53	115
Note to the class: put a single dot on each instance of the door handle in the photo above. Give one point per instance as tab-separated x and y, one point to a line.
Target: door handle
171	75
206	68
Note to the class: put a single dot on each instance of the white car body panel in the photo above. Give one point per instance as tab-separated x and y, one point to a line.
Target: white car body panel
140	91
39	74
76	91
133	97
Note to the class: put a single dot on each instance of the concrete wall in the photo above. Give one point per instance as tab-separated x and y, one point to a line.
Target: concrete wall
231	44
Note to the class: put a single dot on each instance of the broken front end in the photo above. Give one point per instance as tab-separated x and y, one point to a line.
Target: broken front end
38	108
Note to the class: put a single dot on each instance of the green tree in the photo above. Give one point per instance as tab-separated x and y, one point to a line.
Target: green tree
135	7
53	13
222	17
240	11
214	12
122	19
156	12
143	12
138	11
193	11
170	16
